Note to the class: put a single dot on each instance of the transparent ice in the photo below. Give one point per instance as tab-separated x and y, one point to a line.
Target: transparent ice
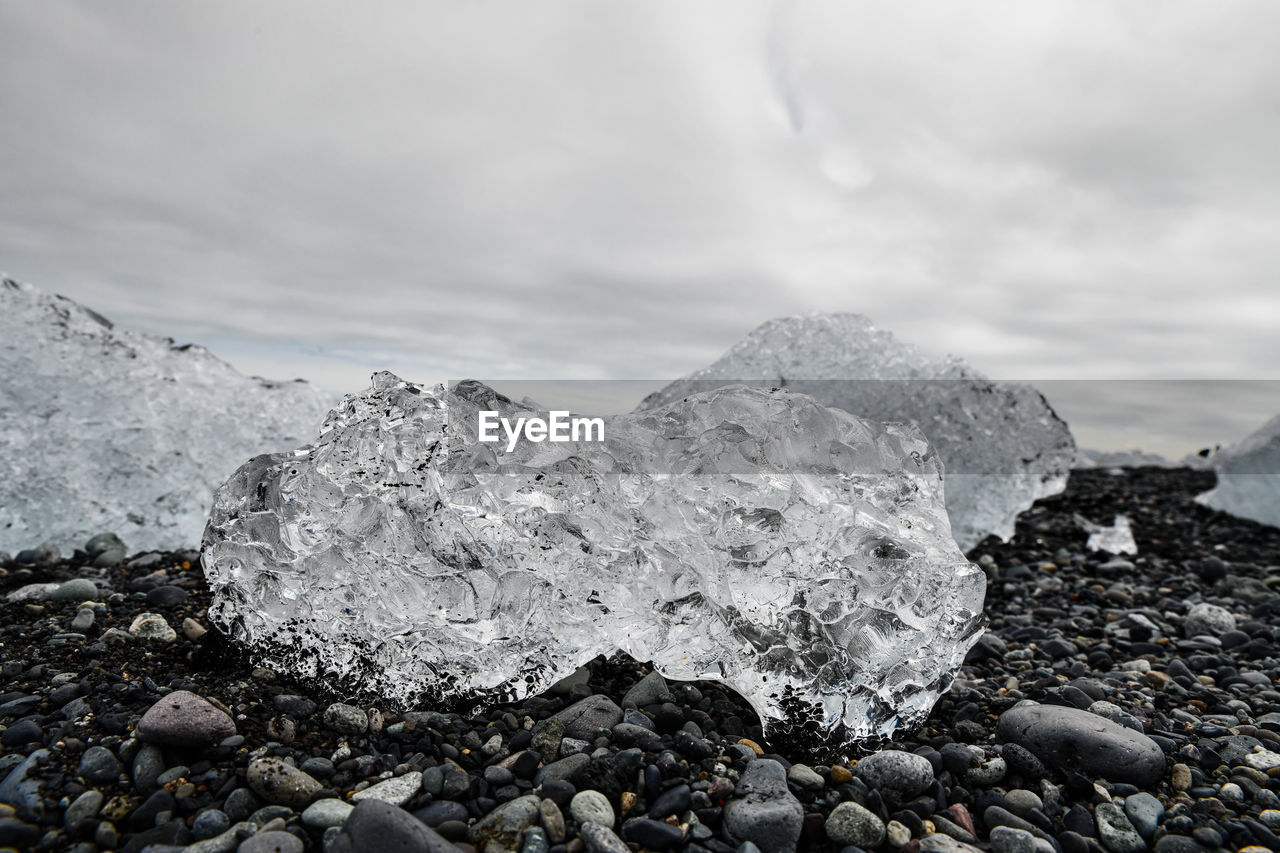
103	429
1249	477
1116	539
796	553
1002	445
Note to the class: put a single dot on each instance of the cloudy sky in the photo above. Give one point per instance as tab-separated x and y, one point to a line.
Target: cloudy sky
1056	191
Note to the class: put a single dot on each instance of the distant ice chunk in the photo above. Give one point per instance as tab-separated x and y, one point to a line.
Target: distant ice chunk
1249	477
796	553
103	429
1002	445
1123	459
1116	539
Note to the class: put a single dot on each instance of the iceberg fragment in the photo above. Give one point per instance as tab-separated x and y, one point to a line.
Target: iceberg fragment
1116	539
1134	458
1249	477
1002	445
796	553
103	429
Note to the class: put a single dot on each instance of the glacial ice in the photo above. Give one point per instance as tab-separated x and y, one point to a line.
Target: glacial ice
1116	539
1002	445
1134	458
796	553
1249	477
103	429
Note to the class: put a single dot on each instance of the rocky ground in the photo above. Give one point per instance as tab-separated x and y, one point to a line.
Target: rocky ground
129	725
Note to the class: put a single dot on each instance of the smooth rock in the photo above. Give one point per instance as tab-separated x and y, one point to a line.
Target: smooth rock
583	719
82	808
281	783
182	718
850	823
271	842
76	589
601	839
501	828
98	764
1075	740
650	690
397	790
763	810
347	719
1145	813
897	773
1208	620
377	827
1116	832
591	807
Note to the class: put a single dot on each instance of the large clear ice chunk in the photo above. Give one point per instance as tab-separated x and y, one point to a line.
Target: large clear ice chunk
794	552
1002	444
1249	477
103	429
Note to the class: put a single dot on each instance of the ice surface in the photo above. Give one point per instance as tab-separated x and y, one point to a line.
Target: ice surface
797	553
103	429
1002	444
1249	477
1116	539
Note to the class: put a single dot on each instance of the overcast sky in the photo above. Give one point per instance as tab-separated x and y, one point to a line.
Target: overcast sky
1073	190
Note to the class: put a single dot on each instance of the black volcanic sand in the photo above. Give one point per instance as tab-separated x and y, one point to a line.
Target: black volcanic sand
1154	729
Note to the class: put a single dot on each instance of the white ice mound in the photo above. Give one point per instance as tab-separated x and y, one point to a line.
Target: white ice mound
795	552
1249	477
103	429
1002	445
1116	539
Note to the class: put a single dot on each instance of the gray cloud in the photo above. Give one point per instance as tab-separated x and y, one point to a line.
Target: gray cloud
588	190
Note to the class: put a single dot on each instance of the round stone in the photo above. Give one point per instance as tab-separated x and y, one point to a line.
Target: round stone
901	774
591	807
850	823
209	823
347	719
1115	830
76	589
281	783
1208	619
275	841
1075	740
184	719
1007	839
325	813
98	764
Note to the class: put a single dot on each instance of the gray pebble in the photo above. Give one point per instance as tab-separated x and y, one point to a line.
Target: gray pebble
763	810
76	589
850	823
347	719
901	774
1006	839
82	808
591	807
325	813
1115	830
1144	812
210	822
1208	620
98	764
271	842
